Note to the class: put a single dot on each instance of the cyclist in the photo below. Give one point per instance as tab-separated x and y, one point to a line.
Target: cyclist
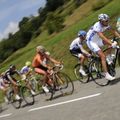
9	76
77	49
4	86
118	25
40	66
96	39
25	72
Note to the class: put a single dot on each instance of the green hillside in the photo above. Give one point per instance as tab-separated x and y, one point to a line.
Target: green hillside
58	43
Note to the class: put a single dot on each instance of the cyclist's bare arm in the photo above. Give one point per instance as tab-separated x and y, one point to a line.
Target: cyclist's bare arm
84	51
11	80
54	61
105	39
114	32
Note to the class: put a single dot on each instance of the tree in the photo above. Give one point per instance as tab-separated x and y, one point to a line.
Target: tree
23	21
52	5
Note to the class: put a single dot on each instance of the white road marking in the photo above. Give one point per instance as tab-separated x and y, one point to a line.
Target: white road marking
6	115
69	101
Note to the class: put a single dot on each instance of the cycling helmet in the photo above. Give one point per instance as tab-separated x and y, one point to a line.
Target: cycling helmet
40	49
13	67
82	33
103	17
118	29
28	63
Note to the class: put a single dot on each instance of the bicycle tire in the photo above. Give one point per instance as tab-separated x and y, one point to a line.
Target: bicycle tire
1	107
15	103
119	58
97	73
111	69
78	75
49	95
36	86
27	95
64	83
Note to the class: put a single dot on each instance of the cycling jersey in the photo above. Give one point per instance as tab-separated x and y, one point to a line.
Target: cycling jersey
94	42
76	47
76	44
9	74
39	62
3	82
25	70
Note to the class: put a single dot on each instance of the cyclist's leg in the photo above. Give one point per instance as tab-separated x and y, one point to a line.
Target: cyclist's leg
95	47
15	88
77	53
44	78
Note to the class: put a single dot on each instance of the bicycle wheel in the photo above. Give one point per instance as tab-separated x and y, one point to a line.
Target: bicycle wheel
49	95
15	103
36	86
27	96
111	69
64	83
78	75
119	57
0	107
97	73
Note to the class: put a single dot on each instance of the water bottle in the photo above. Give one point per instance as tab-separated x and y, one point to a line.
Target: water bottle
112	57
109	59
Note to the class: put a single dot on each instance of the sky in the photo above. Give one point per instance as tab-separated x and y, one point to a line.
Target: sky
12	12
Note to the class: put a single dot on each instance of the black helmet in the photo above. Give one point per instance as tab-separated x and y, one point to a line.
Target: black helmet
13	67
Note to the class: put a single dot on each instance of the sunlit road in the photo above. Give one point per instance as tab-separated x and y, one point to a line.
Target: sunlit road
88	102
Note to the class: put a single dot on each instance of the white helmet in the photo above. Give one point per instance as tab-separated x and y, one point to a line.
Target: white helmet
40	49
103	17
118	29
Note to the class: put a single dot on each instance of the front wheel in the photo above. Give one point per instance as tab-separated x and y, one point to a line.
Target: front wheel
78	75
27	96
97	73
64	83
15	103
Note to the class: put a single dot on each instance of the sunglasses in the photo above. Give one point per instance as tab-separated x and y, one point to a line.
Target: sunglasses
106	21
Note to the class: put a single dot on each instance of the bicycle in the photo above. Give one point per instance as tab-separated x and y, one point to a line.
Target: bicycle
23	92
60	82
94	68
35	84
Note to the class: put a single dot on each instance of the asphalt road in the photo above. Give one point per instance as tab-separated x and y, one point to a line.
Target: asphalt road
88	102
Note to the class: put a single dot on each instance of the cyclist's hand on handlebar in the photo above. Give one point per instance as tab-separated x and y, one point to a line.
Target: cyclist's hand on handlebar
114	44
89	55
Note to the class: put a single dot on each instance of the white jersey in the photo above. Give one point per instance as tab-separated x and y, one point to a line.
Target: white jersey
92	33
94	42
76	44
